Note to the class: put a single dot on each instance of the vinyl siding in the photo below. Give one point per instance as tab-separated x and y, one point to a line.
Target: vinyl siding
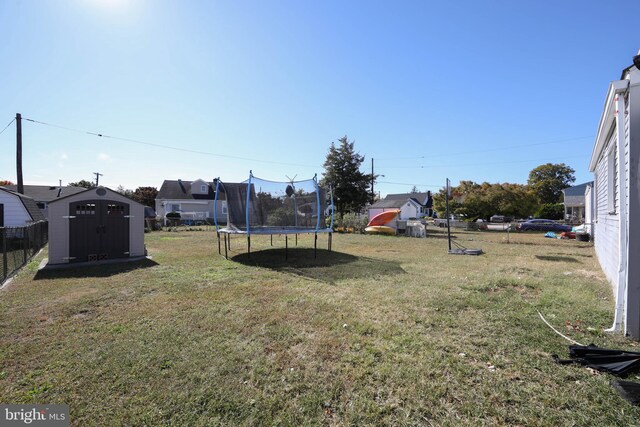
15	214
607	227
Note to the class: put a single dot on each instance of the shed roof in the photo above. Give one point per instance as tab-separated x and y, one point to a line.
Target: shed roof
46	193
181	190
93	190
29	204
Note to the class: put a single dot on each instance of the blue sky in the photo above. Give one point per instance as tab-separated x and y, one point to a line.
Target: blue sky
472	90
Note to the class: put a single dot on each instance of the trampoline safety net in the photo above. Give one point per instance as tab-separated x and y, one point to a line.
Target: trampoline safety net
258	206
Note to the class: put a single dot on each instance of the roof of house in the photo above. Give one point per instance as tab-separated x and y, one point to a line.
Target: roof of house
46	193
181	190
397	200
577	190
29	204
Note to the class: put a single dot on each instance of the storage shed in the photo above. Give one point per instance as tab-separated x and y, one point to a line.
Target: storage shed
94	225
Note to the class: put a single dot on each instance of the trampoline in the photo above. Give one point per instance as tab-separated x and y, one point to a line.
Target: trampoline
262	207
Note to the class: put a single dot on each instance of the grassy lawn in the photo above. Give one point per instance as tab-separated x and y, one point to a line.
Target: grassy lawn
383	330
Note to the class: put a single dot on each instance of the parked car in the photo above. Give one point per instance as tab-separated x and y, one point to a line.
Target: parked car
543	225
500	218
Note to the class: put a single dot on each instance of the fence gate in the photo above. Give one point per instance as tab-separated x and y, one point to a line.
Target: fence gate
98	229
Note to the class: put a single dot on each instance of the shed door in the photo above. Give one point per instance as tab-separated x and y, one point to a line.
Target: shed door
100	230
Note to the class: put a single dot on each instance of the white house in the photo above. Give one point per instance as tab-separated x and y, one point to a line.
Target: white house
193	200
615	162
17	210
411	205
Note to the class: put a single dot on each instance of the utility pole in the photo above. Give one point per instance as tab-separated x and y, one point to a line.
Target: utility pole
373	194
98	175
19	152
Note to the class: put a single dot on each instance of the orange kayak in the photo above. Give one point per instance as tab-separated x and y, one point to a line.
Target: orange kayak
383	218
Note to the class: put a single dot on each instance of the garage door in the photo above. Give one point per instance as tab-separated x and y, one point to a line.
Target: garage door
98	230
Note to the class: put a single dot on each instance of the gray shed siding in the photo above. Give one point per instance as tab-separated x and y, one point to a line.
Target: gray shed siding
59	225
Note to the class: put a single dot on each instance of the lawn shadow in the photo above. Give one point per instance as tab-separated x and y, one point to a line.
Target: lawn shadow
557	258
328	267
94	270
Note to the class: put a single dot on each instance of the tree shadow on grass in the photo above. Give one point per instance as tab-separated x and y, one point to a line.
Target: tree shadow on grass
96	270
328	267
557	258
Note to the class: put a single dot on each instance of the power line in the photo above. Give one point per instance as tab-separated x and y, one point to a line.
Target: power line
169	147
406	183
480	164
5	128
487	150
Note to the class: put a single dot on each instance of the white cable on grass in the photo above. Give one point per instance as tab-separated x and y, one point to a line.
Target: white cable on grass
558	332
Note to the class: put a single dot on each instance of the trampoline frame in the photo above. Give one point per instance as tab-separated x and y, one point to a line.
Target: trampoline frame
271	230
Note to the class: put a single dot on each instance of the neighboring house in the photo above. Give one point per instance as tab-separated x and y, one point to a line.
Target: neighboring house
574	202
45	194
193	200
17	210
615	162
411	205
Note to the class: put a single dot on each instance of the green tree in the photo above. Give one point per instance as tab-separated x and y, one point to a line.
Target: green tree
483	200
550	211
547	181
83	183
342	172
145	195
125	192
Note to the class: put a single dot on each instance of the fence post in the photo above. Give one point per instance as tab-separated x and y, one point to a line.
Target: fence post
5	267
25	243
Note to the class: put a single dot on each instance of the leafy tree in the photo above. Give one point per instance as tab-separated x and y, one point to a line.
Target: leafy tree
550	211
483	200
342	172
547	181
125	192
83	183
6	182
145	195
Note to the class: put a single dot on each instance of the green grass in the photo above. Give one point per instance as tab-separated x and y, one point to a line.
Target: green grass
382	331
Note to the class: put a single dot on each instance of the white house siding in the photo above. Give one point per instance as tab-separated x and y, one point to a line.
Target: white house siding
606	227
15	214
588	209
408	210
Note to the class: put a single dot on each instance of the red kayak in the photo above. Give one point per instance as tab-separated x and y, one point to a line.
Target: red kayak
383	218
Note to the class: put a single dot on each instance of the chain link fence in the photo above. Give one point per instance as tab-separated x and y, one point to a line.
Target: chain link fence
19	244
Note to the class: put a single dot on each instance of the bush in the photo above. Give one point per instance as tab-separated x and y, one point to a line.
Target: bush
550	211
173	215
355	221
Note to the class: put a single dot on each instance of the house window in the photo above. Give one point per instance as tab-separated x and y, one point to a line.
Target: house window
224	208
612	179
174	208
203	188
